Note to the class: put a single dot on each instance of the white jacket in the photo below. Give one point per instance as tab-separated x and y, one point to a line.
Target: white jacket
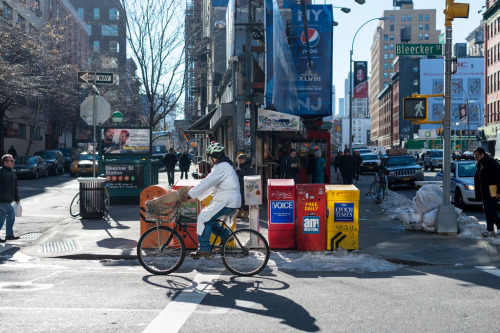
223	183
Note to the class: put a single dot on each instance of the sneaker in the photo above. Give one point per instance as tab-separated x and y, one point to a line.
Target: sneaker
199	254
488	234
11	237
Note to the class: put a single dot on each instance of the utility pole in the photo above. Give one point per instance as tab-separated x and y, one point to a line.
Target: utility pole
446	219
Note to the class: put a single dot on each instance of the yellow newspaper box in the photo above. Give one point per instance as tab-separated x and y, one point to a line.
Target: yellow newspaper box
342	226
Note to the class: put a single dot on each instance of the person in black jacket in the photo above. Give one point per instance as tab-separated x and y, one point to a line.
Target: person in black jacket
310	166
244	168
8	192
347	167
486	181
184	164
290	166
169	161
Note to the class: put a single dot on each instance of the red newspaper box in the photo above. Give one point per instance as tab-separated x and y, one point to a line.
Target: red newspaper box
311	217
281	213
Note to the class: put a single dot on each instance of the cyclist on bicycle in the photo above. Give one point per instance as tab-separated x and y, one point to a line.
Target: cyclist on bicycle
223	183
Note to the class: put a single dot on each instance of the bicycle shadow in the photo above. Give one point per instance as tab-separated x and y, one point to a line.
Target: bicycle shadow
243	296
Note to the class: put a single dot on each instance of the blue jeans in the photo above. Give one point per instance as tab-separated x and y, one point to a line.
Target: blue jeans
213	226
7	213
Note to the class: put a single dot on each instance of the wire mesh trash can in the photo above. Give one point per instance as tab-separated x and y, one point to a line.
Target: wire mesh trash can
92	197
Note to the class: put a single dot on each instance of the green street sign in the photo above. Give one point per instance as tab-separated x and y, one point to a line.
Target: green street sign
441	38
419	49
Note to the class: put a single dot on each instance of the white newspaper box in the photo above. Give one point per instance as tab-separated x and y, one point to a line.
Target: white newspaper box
252	190
253	198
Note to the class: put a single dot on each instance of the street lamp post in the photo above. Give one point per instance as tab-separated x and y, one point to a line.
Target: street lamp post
351	82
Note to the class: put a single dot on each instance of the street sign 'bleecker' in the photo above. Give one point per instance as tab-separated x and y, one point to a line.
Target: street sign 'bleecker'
419	49
100	78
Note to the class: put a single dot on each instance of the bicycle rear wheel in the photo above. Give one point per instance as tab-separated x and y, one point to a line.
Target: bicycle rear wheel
245	252
376	192
74	208
161	250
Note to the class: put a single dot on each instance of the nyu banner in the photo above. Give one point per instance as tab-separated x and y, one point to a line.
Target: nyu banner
314	78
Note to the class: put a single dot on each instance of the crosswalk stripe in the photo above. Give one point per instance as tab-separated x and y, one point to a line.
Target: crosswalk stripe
177	312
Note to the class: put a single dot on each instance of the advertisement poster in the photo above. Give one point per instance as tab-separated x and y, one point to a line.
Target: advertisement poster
282	212
467	89
276	121
126	141
360	80
313	66
129	176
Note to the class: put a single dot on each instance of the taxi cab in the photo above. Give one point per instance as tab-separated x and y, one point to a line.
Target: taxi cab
462	183
83	165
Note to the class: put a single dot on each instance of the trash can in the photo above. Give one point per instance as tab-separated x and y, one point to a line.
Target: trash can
311	217
342	226
92	197
281	213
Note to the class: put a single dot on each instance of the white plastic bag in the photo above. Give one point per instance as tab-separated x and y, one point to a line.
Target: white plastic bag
428	198
18	209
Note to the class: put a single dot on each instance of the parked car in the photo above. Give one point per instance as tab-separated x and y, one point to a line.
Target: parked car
401	169
462	183
31	167
54	159
83	165
69	155
371	163
433	159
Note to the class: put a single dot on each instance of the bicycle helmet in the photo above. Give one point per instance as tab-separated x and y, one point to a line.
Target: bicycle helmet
215	150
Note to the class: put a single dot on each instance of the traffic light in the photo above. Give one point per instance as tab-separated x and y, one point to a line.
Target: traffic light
415	108
455	10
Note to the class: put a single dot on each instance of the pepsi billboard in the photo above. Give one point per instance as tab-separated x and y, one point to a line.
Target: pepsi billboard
314	77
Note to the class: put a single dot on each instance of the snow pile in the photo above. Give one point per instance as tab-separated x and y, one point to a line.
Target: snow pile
335	261
421	213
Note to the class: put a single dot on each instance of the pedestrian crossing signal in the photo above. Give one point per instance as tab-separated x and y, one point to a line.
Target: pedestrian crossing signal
415	108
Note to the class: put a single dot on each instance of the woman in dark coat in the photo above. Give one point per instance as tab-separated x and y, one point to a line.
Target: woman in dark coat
290	166
184	164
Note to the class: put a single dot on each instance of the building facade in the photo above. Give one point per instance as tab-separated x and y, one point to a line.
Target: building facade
418	27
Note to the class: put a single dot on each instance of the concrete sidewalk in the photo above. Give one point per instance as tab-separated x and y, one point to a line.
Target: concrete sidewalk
116	238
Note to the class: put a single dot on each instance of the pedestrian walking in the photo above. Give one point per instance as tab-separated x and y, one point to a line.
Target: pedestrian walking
12	151
487	189
290	166
347	166
169	161
184	164
245	167
310	166
358	160
319	168
336	166
8	192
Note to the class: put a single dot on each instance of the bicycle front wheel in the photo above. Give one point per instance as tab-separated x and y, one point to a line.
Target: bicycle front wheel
161	250
245	252
376	192
74	208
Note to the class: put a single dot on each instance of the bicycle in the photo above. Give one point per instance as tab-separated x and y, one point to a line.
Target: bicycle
161	249
74	208
378	188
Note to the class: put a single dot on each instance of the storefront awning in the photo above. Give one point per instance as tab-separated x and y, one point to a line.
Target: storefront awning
283	123
223	112
202	124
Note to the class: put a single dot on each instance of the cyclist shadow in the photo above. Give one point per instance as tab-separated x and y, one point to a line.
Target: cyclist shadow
247	297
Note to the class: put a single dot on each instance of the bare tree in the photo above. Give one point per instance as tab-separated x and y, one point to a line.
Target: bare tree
31	72
155	32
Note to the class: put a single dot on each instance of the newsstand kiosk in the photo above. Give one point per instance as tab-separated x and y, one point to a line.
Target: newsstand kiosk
311	217
281	213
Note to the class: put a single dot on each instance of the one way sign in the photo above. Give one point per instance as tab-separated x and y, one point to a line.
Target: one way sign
95	77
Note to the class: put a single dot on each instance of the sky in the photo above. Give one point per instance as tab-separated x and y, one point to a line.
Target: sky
349	23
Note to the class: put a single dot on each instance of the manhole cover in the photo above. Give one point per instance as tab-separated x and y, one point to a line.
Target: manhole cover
448	253
31	235
59	246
